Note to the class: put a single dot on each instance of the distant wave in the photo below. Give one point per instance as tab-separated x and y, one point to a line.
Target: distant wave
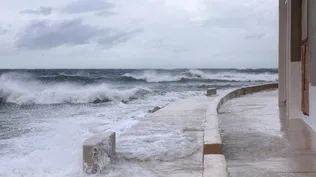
66	77
61	77
256	71
14	89
198	75
154	76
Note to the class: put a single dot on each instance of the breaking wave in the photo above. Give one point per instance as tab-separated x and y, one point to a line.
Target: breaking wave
200	75
22	89
154	76
96	86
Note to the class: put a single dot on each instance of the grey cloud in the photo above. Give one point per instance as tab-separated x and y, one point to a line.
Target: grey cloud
156	43
256	14
82	6
45	35
230	22
105	13
39	11
3	30
161	43
115	37
255	36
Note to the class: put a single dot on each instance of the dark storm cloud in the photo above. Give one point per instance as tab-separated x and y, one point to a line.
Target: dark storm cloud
45	35
39	11
82	6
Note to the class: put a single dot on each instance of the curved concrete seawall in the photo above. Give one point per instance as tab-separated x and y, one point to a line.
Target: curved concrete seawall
214	160
244	91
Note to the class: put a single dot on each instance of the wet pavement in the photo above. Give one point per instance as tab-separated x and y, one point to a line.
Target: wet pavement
168	142
259	141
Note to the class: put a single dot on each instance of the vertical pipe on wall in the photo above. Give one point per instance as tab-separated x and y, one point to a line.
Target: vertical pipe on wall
287	53
282	51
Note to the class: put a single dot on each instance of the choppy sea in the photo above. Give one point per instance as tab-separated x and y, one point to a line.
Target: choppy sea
45	115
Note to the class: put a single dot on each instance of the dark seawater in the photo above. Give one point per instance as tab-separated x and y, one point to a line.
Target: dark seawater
46	114
67	86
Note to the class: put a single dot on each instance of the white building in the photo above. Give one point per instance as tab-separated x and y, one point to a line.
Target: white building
297	59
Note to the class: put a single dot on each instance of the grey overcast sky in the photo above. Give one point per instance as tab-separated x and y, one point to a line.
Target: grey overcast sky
138	33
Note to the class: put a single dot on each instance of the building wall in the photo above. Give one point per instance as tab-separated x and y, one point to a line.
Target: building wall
312	56
312	39
293	57
293	34
311	120
295	96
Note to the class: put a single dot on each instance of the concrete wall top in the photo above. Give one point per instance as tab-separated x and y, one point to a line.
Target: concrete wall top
243	91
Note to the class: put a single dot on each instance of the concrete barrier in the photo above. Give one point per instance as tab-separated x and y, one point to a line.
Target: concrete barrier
244	91
212	140
98	151
214	162
211	91
215	166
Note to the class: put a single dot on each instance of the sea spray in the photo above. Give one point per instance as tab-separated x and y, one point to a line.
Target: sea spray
49	132
198	75
17	90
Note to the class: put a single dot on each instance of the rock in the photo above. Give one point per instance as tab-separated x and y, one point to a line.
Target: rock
98	100
155	109
2	101
210	91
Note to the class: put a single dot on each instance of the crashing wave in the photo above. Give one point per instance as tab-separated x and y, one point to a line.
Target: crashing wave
18	91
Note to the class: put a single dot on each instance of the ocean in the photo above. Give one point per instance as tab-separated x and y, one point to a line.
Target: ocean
45	115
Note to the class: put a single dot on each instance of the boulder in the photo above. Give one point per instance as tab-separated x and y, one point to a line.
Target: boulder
155	109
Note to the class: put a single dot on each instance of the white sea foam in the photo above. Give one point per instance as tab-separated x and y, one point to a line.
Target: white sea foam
194	74
233	76
154	76
141	143
21	89
54	147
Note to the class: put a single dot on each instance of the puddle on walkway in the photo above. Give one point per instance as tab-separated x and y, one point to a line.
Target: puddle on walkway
259	141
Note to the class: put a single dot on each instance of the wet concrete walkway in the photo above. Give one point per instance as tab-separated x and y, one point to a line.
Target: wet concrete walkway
259	141
168	142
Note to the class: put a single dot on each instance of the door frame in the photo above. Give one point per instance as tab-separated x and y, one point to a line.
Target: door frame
304	58
305	77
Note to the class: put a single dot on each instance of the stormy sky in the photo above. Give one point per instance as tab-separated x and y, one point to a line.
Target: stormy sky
138	33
